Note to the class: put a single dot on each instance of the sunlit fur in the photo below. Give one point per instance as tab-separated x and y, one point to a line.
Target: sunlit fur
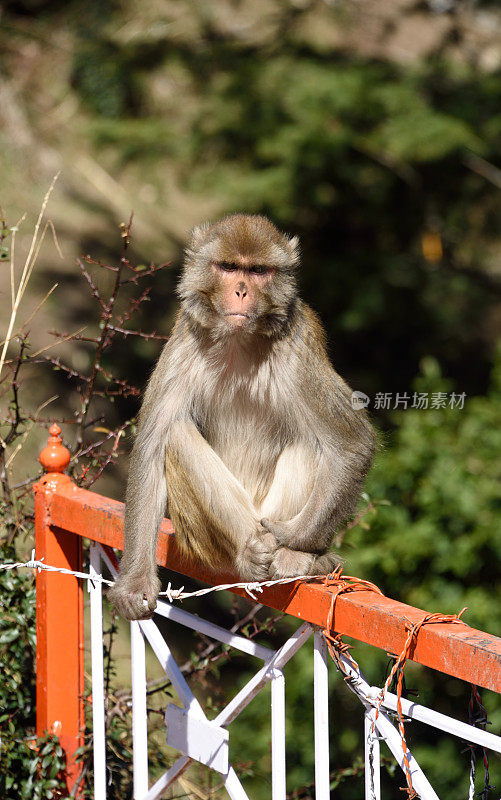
263	453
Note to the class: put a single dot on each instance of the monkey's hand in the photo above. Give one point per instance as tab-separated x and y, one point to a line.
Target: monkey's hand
254	560
287	535
282	531
129	593
292	534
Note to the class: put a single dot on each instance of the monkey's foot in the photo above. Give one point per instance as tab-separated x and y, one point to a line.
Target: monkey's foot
291	563
324	565
129	592
253	563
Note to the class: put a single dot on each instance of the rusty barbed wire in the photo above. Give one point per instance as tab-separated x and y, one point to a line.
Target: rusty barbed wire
477	716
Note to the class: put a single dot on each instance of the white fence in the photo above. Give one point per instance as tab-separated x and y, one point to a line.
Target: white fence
207	741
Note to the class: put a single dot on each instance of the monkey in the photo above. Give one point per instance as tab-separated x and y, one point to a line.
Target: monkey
246	431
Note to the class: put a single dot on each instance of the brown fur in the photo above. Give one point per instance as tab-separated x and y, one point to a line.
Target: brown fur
246	430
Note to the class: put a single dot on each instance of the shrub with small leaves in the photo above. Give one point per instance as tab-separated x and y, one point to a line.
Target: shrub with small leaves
30	767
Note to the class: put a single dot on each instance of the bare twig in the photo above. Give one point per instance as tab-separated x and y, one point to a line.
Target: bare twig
88	278
68	338
26	273
106	316
127	332
483	168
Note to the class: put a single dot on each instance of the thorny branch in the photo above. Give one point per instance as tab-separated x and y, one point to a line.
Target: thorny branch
106	316
358	519
100	382
14	419
92	454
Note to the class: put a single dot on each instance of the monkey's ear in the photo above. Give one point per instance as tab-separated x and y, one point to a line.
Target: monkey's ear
197	235
293	245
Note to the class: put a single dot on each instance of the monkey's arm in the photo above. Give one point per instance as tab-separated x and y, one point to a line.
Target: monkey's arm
146	494
144	508
222	520
201	490
342	440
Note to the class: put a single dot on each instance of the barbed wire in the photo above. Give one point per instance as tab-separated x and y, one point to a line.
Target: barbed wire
250	587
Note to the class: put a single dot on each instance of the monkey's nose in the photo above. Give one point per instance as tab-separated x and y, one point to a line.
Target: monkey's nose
241	293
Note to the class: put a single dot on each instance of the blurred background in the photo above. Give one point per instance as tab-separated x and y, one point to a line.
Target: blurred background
370	128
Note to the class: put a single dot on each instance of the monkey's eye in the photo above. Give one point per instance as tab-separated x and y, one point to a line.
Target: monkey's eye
227	266
258	269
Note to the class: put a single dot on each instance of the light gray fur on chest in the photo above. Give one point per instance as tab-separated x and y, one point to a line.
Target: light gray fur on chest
245	420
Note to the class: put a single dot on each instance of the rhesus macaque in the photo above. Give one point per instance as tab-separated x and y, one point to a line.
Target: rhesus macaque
246	430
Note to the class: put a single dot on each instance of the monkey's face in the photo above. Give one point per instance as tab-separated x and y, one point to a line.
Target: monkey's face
239	277
241	291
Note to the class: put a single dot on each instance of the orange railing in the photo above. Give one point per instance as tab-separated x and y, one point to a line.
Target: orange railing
66	514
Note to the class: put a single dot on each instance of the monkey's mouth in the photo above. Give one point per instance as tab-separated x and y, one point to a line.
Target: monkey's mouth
237	314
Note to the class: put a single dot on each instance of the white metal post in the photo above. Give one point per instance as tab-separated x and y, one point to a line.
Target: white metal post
437	720
96	644
278	735
392	738
386	729
139	718
166	659
212	631
321	709
168	778
234	787
277	661
372	758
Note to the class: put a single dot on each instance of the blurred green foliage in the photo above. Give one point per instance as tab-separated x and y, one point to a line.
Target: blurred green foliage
361	158
246	106
438	544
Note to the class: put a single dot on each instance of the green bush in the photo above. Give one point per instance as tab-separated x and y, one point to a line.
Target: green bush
30	767
438	544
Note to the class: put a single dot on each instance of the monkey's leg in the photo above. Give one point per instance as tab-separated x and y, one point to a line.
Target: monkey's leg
292	482
289	492
214	513
330	500
300	502
292	491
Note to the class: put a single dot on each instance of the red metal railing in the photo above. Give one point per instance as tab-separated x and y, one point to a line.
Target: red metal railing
65	514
